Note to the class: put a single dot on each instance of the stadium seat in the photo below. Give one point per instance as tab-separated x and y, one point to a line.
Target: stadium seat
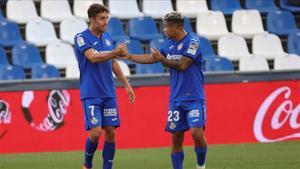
191	8
226	6
267	45
149	68
72	71
247	23
187	25
3	57
68	28
217	63
211	24
124	9
124	67
116	30
80	7
60	54
11	72
232	47
9	33
55	11
285	4
1	14
157	43
143	29
26	55
287	62
21	11
44	71
157	8
206	47
253	63
40	32
294	43
263	6
281	23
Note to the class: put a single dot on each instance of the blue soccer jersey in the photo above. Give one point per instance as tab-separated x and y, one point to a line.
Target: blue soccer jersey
96	79
185	85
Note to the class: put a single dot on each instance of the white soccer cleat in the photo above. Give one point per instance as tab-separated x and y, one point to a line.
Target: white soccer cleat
201	167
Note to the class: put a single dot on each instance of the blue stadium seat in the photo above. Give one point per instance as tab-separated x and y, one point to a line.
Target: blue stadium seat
9	33
149	68
226	6
11	72
3	57
157	43
294	43
187	25
143	29
134	47
285	4
26	55
206	46
281	23
44	71
263	6
116	30
217	63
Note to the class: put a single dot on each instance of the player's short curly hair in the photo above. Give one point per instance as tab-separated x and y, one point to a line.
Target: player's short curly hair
174	17
95	8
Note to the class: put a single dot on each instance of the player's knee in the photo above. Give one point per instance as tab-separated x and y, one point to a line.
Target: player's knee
110	134
95	134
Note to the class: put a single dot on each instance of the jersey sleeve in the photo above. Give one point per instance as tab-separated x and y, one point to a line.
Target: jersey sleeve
81	43
191	49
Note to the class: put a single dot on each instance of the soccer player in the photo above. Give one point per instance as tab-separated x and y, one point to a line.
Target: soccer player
187	111
96	59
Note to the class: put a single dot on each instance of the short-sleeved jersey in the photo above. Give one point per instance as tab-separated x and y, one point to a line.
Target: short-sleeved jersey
185	85
96	79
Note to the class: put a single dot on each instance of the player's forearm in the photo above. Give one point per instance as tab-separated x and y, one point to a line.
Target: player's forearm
102	57
172	64
119	74
142	59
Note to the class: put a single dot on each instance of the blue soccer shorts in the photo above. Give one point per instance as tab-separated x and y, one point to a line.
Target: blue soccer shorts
100	112
183	115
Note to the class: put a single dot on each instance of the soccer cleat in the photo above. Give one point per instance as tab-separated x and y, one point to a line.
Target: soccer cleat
83	167
201	167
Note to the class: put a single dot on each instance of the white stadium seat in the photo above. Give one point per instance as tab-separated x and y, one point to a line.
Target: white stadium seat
211	24
124	9
68	28
80	7
253	63
124	67
267	45
40	32
191	8
72	71
247	23
55	11
157	8
21	11
60	54
232	47
287	62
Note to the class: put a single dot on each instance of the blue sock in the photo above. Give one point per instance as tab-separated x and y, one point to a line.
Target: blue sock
108	154
177	160
90	149
201	155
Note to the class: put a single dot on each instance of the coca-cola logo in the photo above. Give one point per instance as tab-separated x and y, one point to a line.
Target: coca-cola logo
284	120
57	102
5	117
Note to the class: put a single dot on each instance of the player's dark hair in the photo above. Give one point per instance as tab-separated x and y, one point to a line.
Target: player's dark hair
94	9
174	18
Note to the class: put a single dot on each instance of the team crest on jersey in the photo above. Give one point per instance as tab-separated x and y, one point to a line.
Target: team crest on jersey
193	48
94	121
179	47
172	126
80	41
107	42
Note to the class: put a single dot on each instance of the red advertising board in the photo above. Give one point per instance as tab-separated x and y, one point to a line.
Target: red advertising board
35	121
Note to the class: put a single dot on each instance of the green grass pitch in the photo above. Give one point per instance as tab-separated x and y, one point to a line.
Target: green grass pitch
284	155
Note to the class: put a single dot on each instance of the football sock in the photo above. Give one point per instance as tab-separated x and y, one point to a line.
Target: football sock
177	160
201	155
90	149
108	154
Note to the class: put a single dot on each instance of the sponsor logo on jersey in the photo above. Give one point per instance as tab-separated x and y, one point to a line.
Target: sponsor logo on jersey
110	112
194	113
174	57
179	47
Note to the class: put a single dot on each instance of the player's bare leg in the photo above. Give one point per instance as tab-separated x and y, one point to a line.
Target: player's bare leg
177	155
91	146
109	147
200	146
